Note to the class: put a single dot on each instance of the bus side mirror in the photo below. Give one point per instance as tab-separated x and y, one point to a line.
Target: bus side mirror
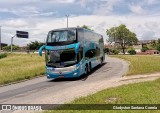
41	49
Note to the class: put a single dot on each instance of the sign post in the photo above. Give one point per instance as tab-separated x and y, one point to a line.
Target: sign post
12	42
19	34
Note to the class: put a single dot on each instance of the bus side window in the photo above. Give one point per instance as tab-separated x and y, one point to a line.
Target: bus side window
90	53
80	54
97	51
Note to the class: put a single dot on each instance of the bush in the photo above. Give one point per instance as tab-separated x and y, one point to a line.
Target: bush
132	52
3	55
115	51
158	47
35	45
106	50
144	49
8	48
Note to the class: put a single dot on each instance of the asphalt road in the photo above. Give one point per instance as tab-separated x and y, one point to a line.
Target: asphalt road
43	91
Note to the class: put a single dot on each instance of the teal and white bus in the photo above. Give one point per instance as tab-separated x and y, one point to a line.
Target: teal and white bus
72	52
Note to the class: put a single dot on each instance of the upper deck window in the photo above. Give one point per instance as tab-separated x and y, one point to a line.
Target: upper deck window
61	36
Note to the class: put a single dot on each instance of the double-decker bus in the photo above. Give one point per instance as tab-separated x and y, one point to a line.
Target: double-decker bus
72	52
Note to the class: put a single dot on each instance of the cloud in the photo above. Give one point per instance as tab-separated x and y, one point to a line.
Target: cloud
84	3
60	1
151	2
4	10
145	7
15	23
39	16
145	27
148	35
106	7
17	2
137	9
28	11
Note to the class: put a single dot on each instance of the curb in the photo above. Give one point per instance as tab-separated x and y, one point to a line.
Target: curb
140	77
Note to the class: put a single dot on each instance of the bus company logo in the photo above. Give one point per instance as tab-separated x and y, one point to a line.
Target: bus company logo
59	47
60	72
6	107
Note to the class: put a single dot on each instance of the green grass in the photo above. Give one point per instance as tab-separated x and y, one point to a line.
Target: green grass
3	55
141	64
139	93
17	67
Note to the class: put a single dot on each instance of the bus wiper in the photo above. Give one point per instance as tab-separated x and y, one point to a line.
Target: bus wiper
50	64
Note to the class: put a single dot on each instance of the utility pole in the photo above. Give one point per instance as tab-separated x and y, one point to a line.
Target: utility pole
67	20
0	39
12	43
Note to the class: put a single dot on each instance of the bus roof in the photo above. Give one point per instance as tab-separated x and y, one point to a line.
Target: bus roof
61	29
64	29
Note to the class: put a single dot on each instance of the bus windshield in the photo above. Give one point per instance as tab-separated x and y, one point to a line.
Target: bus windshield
61	58
61	36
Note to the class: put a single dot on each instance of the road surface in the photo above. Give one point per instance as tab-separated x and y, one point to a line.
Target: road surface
43	91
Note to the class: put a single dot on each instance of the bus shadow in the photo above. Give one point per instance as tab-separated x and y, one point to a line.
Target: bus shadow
82	77
94	70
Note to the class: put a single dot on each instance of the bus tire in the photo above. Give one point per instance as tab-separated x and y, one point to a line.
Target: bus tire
89	68
86	69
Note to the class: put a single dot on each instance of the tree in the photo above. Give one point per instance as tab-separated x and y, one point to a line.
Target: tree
106	50
121	35
144	49
87	27
158	41
115	51
35	45
153	44
158	47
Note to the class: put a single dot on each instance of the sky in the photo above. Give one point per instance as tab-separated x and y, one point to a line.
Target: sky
40	16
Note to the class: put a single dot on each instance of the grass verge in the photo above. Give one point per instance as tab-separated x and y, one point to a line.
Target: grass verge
3	55
17	67
139	93
141	64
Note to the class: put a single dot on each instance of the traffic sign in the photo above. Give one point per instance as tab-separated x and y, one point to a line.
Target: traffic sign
22	34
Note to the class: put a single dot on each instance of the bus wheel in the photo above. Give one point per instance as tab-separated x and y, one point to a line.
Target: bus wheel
86	70
89	68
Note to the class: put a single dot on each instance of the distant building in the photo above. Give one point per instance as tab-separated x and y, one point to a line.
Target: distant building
145	41
137	48
152	52
149	52
3	45
24	48
108	46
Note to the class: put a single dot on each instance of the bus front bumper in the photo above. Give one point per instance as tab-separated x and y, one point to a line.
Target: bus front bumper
68	72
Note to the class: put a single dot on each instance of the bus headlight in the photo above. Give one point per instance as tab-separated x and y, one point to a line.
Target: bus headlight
47	75
74	74
49	70
73	68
